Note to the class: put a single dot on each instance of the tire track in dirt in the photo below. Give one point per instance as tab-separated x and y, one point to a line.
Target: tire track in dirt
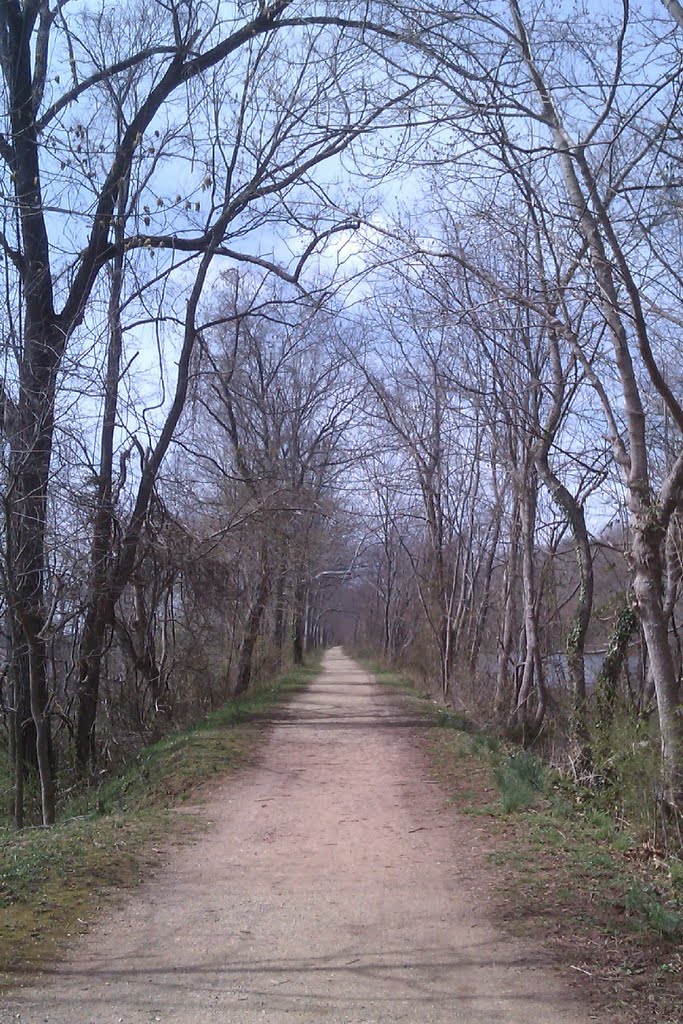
331	888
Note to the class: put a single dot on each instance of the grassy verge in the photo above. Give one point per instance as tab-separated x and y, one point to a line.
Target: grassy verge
564	871
53	881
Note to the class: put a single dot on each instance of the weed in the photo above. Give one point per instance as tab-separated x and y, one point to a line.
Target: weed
482	743
645	903
528	768
665	921
559	804
622	841
600	821
629	761
676	874
502	858
548	834
484	811
520	777
516	795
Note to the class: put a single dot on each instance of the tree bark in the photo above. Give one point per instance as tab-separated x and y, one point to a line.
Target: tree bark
504	683
17	756
251	633
279	611
298	623
611	668
532	671
576	636
647	577
41	718
31	439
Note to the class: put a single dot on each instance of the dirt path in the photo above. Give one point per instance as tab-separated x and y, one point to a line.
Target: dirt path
330	890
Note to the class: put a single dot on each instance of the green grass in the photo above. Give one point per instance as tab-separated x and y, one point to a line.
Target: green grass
520	777
388	677
52	880
646	903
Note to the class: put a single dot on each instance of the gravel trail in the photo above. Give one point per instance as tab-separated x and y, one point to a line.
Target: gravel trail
331	888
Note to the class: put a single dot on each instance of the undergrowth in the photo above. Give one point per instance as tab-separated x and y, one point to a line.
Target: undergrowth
520	776
52	880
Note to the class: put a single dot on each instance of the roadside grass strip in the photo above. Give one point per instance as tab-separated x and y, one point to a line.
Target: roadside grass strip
566	869
54	881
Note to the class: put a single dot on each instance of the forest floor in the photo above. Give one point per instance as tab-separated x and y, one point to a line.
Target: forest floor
335	881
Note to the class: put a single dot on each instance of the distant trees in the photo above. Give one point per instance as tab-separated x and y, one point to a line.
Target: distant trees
275	397
443	515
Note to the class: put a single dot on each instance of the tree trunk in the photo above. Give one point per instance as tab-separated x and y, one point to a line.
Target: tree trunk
279	613
482	615
576	637
504	682
446	656
298	623
17	756
31	436
27	610
387	651
89	669
41	718
521	715
673	580
647	577
256	613
612	665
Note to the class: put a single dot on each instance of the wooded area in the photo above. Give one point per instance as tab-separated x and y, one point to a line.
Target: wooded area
342	322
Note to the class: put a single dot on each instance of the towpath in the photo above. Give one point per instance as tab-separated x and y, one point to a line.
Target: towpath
332	887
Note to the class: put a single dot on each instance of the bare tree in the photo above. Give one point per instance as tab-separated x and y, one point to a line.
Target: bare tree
251	157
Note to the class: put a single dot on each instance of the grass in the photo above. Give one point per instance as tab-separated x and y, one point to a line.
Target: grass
568	868
520	776
52	881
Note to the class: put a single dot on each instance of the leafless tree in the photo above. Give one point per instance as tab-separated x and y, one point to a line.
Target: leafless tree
240	109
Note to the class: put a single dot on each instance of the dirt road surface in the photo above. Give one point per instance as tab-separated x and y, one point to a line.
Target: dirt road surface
331	888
